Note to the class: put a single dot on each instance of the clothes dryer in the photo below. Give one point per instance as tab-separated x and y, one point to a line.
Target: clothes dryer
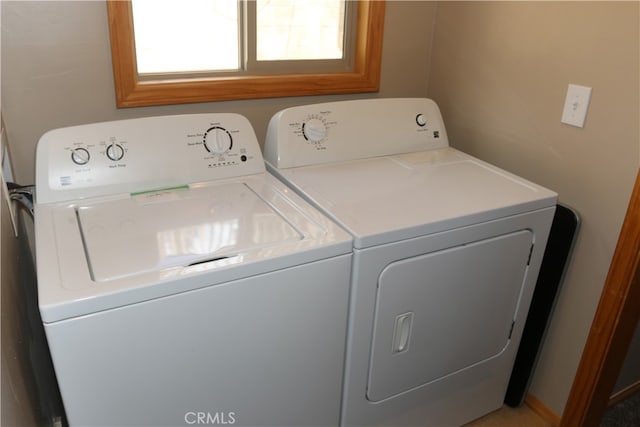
179	283
446	253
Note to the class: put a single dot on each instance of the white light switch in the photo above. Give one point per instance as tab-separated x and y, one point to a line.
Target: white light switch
576	105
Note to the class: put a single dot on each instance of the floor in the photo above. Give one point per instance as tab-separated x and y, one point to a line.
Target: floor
624	413
522	416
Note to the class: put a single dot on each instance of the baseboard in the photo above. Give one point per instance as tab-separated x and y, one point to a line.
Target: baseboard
542	410
624	393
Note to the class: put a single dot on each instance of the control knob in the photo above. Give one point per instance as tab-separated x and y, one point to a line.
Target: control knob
217	140
115	152
314	130
80	156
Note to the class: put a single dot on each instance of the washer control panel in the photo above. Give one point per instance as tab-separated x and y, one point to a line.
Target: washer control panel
144	154
348	130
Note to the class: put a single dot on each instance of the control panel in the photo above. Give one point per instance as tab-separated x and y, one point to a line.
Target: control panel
348	130
144	154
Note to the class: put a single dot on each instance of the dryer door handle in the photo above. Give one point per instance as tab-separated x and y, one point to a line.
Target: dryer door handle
402	332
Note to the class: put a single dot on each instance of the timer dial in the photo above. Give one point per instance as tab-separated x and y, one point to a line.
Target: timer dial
80	156
115	152
314	129
217	140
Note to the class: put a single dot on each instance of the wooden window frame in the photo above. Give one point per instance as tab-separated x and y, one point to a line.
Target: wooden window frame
131	91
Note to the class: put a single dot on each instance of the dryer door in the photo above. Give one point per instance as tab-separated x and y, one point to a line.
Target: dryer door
442	312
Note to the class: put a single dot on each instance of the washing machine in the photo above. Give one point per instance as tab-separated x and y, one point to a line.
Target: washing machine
446	250
179	283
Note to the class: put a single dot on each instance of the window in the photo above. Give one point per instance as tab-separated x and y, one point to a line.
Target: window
326	47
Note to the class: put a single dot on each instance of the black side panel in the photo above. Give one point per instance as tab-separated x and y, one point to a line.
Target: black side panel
561	237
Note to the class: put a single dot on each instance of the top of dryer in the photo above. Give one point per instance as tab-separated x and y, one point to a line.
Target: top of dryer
383	169
349	130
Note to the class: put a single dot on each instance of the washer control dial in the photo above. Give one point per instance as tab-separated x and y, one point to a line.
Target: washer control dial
421	120
80	156
115	152
217	140
314	129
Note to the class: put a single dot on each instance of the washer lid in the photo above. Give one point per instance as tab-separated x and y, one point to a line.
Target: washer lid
391	198
112	251
158	230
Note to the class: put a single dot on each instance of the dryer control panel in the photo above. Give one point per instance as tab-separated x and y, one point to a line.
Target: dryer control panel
144	154
348	130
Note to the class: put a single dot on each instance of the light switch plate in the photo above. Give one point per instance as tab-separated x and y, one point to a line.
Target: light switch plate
576	105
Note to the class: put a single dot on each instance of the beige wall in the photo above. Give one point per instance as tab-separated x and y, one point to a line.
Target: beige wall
18	407
500	72
57	71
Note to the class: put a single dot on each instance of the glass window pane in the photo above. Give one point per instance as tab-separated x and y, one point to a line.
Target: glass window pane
299	29
186	35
